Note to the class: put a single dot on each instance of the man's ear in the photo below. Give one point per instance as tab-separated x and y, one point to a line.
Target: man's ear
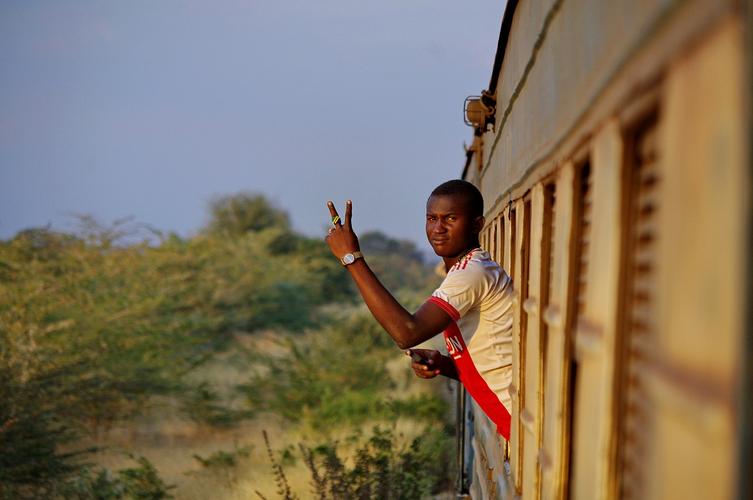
478	224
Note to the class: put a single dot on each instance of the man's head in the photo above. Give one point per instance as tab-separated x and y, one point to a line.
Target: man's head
454	218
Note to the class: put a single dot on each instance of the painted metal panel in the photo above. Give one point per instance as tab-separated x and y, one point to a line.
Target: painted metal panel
700	255
561	67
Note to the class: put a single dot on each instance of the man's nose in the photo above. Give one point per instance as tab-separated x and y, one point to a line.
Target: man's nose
438	228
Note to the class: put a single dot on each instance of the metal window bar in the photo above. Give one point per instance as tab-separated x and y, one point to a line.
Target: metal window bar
464	440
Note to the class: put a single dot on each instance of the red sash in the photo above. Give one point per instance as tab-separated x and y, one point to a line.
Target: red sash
474	383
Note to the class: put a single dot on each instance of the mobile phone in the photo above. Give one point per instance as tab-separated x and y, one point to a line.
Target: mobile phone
418	358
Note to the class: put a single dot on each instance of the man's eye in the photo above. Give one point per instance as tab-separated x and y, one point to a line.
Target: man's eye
452	218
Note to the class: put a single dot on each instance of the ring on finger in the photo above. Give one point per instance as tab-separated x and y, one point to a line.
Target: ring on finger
335	220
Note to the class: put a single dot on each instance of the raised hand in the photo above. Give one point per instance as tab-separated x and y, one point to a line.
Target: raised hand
340	237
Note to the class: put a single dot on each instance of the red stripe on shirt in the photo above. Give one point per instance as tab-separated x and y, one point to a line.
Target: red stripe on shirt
468	257
446	307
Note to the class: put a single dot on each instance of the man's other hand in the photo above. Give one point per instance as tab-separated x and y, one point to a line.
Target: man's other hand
431	364
341	238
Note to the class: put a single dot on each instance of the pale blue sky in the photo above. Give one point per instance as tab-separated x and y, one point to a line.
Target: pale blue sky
149	108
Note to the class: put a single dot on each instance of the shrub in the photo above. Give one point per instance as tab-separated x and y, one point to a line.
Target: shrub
141	482
381	469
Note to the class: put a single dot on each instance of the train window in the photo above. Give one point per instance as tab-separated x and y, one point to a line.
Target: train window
499	233
493	240
513	240
582	215
501	241
512	263
486	242
525	263
636	329
547	270
501	350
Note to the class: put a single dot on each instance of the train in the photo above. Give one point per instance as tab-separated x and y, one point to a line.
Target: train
613	149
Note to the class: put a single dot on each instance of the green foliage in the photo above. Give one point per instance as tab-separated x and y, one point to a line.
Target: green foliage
224	463
205	406
221	459
238	214
381	468
31	433
90	328
141	482
87	482
94	324
337	375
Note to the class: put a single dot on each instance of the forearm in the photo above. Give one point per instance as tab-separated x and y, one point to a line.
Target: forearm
394	318
406	329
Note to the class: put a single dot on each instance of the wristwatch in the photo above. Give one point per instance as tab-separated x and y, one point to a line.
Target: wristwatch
350	258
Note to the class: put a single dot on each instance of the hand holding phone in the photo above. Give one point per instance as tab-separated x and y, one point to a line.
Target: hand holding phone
424	362
419	358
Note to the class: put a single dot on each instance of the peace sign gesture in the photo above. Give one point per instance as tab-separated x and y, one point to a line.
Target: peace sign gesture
340	237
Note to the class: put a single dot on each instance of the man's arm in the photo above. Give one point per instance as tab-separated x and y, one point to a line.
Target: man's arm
406	329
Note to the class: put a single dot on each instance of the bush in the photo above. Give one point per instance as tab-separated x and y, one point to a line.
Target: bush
141	482
223	463
337	375
381	468
237	214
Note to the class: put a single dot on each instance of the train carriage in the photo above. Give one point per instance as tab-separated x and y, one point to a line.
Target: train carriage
613	149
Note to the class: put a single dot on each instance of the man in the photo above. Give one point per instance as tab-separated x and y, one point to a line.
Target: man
472	306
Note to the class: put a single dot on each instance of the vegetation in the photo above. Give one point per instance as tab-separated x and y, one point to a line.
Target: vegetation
99	325
382	469
142	482
337	376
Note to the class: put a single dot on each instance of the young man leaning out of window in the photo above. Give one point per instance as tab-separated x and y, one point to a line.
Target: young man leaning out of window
472	306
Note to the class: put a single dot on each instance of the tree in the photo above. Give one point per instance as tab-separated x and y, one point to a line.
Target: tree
240	213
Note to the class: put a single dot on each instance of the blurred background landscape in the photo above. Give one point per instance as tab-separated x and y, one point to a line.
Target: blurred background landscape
142	364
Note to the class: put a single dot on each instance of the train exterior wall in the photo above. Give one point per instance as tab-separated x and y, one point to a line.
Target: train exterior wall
617	188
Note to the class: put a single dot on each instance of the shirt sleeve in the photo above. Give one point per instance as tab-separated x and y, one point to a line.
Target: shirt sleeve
461	291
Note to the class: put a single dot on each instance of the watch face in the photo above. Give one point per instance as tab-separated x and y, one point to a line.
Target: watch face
348	259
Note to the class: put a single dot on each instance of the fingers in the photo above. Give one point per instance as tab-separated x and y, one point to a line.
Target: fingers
422	370
348	213
333	211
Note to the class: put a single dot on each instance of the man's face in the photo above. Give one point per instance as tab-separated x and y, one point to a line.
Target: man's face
449	226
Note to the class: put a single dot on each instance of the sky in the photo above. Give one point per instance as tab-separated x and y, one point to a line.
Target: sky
149	109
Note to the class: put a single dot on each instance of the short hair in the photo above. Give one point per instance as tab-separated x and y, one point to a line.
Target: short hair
458	187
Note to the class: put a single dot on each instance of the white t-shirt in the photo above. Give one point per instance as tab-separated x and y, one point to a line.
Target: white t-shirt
479	295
